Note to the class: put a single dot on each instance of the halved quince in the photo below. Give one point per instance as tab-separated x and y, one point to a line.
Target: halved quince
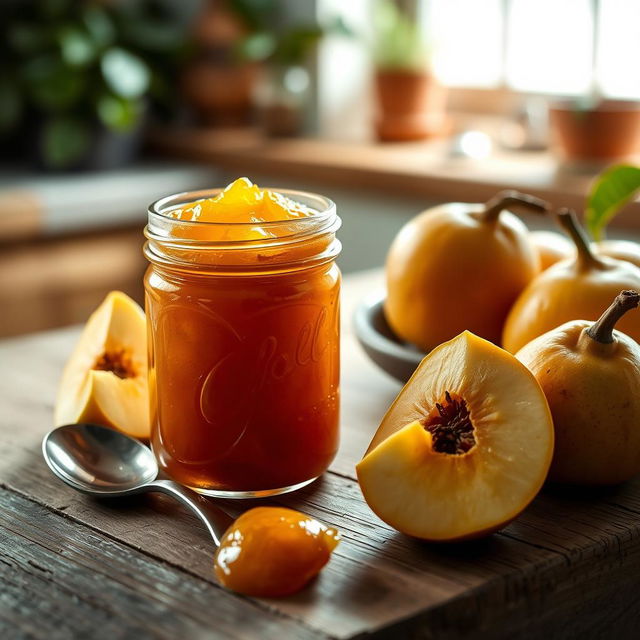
105	379
465	446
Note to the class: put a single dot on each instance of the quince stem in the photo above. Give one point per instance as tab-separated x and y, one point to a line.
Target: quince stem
586	259
602	329
506	199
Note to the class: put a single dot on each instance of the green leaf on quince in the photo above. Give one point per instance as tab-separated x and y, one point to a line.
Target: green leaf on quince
611	190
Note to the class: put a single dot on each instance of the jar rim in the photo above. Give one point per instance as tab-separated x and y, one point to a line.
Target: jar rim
165	244
158	208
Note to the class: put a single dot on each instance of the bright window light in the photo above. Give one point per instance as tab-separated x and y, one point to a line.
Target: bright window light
467	41
535	46
619	48
550	46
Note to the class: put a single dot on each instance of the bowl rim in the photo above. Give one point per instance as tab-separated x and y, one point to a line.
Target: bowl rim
375	340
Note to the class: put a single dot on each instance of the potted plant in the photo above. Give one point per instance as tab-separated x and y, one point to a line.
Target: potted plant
217	82
593	130
410	100
284	49
283	95
249	54
78	79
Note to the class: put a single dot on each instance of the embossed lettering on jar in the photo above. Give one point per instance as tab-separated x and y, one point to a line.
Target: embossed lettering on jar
244	347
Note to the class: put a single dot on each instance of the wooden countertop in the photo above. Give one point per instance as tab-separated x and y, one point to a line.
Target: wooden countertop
424	169
72	567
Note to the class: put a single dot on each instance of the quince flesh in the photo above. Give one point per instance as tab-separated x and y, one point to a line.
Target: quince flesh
105	379
463	449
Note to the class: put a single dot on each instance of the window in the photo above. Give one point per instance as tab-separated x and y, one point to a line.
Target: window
562	47
467	41
619	48
566	47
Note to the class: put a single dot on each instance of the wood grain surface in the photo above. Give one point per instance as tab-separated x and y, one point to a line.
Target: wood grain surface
73	567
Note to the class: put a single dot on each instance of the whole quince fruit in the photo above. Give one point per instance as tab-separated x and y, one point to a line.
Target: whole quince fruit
552	247
105	379
578	287
465	446
459	266
590	374
620	250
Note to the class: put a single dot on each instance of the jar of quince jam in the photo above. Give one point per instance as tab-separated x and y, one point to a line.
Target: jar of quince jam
242	300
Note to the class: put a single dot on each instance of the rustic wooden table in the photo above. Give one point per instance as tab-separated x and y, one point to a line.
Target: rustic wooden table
73	567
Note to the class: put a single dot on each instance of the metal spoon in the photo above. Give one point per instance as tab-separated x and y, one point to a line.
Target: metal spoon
106	463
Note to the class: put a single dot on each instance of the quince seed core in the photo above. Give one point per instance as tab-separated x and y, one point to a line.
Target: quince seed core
450	426
119	362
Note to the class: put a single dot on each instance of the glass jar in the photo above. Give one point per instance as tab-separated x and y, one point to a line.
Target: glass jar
243	348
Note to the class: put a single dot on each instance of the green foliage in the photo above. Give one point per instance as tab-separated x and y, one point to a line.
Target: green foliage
72	64
609	193
398	41
49	84
255	14
293	46
65	139
117	114
10	104
268	40
124	73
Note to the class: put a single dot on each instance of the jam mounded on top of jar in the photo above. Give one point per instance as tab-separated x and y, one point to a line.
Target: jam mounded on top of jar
242	201
244	343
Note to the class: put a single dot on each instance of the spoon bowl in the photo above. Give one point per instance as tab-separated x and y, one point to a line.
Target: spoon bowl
98	460
107	463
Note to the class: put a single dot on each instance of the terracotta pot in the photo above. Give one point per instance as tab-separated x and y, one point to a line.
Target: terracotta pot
217	86
411	106
609	131
220	93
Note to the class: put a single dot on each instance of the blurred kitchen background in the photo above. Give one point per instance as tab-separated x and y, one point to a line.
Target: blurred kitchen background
386	106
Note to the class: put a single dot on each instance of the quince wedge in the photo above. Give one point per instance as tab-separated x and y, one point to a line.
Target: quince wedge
464	448
105	379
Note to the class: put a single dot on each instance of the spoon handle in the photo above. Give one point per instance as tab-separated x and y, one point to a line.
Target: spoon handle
214	518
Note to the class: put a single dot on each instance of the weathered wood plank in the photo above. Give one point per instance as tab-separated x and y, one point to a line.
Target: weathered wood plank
63	580
392	575
375	577
577	575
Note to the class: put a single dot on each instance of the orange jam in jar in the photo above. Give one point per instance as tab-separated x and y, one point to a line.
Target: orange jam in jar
242	300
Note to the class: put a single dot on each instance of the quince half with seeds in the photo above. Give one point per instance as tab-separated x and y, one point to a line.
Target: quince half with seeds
464	448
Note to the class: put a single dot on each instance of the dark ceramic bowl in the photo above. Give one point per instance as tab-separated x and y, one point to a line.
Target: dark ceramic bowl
399	359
